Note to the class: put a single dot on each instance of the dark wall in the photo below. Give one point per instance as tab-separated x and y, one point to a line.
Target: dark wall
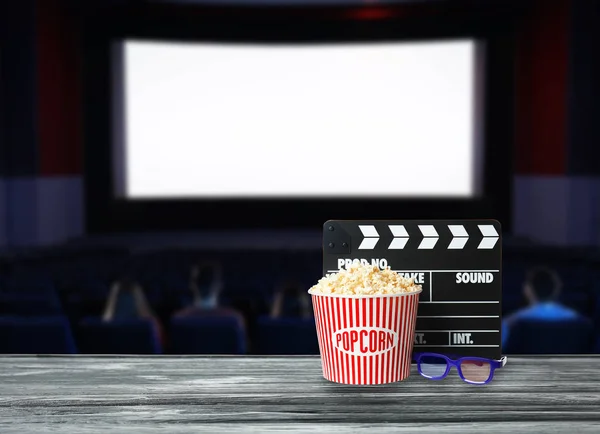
18	71
584	89
59	84
542	70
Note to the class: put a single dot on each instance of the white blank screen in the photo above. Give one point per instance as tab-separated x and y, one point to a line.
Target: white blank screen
380	119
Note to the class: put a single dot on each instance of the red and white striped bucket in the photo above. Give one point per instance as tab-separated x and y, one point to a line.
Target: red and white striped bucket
366	340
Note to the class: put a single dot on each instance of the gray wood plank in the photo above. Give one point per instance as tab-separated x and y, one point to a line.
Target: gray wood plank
275	394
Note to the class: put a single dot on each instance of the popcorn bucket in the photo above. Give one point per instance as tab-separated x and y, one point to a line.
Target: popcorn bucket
366	340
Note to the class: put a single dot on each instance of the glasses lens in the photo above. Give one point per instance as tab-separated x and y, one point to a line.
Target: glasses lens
433	366
476	371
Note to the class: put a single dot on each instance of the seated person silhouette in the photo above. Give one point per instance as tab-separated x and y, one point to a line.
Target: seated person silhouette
541	288
291	300
127	300
206	284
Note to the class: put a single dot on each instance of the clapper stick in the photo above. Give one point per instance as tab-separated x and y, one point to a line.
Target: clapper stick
458	263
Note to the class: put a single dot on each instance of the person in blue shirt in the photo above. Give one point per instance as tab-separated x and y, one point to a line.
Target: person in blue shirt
541	289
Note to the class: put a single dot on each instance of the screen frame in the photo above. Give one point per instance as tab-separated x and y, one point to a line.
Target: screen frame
105	212
122	163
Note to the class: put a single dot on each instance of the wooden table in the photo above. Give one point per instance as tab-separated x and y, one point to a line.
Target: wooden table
276	394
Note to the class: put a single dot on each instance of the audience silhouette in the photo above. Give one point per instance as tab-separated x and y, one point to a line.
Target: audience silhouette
206	285
291	300
541	288
127	301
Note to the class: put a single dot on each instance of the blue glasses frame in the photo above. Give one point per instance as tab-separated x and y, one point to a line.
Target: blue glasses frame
494	364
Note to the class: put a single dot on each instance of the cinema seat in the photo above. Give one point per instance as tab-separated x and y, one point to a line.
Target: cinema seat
42	335
551	337
132	336
511	303
31	285
29	305
207	335
580	300
293	336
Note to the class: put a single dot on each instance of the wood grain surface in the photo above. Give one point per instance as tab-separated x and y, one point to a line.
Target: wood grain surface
287	394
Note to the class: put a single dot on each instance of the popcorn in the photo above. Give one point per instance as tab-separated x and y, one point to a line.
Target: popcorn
365	280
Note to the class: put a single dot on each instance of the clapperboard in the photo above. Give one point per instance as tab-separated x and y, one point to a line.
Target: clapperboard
457	262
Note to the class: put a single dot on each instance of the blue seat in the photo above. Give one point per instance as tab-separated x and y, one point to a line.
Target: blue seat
286	336
32	285
94	289
18	305
529	336
580	300
175	283
511	303
42	335
207	335
131	336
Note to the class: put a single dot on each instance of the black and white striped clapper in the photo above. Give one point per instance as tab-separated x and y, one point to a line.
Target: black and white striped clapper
457	262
